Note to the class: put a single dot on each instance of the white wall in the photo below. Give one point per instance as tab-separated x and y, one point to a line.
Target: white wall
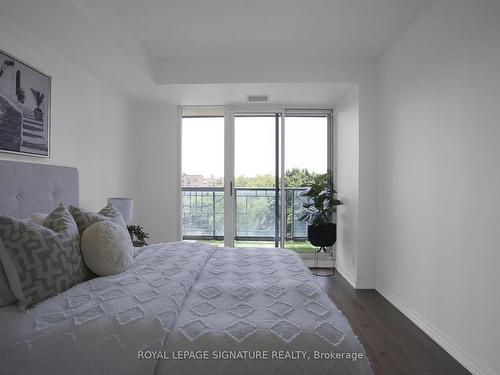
347	184
367	230
438	178
159	171
91	127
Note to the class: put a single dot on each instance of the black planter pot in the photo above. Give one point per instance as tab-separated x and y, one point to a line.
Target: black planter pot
323	235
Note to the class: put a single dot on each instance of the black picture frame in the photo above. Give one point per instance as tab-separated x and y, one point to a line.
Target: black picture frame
25	106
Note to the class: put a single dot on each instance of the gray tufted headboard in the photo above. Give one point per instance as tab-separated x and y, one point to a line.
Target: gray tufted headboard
27	188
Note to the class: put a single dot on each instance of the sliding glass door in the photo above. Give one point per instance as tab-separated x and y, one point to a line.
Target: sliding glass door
307	154
243	174
202	177
257	179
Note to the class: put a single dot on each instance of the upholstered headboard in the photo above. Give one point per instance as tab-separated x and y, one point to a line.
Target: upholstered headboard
27	188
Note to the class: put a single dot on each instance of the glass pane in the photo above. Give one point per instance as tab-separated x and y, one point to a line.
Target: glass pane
255	181
303	161
203	179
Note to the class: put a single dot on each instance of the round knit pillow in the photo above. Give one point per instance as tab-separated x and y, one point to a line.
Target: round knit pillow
107	248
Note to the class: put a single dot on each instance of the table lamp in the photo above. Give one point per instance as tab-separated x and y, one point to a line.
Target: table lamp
125	206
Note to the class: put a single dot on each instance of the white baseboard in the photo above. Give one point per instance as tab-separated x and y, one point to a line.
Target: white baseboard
352	280
346	274
456	351
364	285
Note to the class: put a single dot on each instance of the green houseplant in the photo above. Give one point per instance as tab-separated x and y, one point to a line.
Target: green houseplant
137	235
321	232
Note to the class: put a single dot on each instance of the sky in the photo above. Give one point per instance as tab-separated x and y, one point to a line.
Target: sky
203	145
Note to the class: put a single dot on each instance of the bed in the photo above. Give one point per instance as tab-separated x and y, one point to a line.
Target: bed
181	308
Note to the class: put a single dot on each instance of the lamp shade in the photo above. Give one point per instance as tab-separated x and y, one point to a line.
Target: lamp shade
125	206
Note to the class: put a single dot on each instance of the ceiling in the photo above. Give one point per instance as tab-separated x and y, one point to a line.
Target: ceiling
261	29
151	49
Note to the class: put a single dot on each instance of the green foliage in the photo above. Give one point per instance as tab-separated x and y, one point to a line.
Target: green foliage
137	233
266	180
255	211
204	210
321	193
294	177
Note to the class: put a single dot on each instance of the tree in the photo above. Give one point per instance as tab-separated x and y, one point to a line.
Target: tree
296	177
266	180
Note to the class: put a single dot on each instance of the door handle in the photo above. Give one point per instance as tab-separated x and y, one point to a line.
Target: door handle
231	188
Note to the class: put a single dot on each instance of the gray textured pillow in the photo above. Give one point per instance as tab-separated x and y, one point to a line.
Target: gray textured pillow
6	296
107	248
85	219
41	261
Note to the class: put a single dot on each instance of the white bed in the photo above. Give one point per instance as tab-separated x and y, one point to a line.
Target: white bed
183	299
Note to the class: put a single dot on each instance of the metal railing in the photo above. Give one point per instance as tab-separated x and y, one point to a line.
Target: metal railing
203	213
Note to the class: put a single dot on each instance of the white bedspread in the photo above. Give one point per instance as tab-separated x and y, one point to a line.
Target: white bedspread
183	298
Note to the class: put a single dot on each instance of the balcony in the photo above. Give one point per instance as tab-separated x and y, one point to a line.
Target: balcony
255	210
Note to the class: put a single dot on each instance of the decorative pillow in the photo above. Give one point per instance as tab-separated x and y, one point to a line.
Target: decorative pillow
85	219
107	248
6	296
41	261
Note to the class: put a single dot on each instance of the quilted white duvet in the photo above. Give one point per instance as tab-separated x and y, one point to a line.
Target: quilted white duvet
187	308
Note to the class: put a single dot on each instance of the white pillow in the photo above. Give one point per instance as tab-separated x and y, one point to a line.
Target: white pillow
38	218
107	248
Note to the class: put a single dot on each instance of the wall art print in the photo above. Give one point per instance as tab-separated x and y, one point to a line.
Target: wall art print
24	108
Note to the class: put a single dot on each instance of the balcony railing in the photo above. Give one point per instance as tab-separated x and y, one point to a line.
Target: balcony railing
255	211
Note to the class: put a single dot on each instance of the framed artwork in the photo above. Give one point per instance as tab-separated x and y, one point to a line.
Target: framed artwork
24	108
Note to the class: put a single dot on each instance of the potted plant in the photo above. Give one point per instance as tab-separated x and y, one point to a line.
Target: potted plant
137	235
321	232
38	113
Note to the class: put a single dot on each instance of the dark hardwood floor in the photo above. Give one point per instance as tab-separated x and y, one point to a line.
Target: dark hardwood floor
394	345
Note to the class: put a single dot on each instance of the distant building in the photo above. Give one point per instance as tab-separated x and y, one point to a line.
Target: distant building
197	180
189	180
